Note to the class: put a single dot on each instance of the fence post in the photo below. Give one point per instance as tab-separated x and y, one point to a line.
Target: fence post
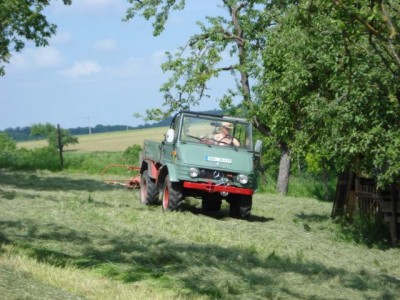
60	146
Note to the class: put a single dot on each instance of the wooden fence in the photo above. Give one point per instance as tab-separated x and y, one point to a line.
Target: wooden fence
356	194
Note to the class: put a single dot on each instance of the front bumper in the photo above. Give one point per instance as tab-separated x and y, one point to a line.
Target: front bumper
212	188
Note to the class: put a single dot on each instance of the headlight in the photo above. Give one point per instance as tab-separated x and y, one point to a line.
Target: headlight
243	179
193	172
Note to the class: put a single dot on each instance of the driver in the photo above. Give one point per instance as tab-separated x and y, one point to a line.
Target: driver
224	137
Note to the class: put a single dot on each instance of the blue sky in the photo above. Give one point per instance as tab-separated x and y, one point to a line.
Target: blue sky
97	69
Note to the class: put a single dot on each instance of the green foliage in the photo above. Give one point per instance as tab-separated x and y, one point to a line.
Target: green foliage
270	156
7	150
157	10
364	229
308	186
6	143
328	91
92	163
325	75
51	133
313	163
131	155
22	21
96	162
377	20
235	34
45	158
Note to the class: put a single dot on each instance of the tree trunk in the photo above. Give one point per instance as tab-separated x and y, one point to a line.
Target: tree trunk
325	177
284	171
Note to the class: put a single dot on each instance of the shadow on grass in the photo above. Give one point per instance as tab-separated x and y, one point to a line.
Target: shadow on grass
9	195
223	214
313	217
194	269
31	180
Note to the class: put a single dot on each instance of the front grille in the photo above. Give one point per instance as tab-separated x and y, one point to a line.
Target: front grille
214	174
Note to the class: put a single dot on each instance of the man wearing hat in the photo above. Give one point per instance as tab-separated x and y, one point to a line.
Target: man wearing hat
224	138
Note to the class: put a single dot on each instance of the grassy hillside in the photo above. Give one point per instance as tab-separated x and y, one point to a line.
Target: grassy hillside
74	237
112	141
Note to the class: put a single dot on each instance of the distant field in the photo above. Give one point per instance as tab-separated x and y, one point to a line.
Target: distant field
109	141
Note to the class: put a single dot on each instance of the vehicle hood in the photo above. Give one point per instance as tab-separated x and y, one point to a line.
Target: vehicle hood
216	157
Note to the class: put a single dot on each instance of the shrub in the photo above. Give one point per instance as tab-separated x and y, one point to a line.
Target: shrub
364	229
94	163
7	150
44	158
131	154
305	185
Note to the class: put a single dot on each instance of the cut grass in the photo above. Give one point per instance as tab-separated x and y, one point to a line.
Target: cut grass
72	236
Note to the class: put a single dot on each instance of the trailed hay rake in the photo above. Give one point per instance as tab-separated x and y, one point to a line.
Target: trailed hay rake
132	183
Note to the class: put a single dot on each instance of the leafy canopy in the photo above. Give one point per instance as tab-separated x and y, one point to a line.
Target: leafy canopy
22	21
328	89
51	133
324	74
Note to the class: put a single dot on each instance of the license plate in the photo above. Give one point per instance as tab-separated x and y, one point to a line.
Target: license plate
219	159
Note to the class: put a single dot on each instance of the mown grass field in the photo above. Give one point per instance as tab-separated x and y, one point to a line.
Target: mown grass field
71	236
110	141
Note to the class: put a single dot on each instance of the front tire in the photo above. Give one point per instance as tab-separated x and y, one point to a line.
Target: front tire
172	195
148	189
240	207
211	202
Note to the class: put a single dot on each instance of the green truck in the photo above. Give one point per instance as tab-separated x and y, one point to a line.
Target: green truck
205	156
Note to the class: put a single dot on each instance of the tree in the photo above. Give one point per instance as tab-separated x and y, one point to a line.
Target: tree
57	138
21	21
377	19
324	74
346	91
242	35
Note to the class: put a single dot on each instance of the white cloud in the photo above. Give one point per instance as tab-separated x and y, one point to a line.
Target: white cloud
130	67
47	57
61	38
82	68
149	67
30	58
97	3
19	61
106	45
159	57
91	6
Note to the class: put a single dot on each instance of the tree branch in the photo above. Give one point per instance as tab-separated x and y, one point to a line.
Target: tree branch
392	35
367	25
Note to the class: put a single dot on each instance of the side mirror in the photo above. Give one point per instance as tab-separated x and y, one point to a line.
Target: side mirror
258	147
169	137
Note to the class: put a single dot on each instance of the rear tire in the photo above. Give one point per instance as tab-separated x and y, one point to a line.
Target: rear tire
211	202
148	189
240	207
172	195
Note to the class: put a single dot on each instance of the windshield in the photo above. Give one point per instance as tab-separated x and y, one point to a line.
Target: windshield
218	132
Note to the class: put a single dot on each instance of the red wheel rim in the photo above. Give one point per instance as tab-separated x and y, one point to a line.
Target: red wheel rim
143	191
166	198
